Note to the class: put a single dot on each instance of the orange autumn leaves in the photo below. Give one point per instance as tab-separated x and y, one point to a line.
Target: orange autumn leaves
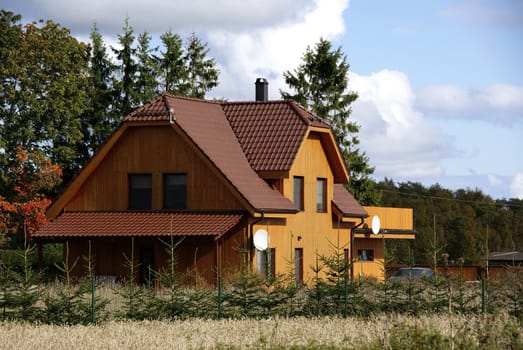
22	208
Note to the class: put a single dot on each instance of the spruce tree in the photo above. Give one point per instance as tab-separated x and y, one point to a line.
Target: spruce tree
147	69
172	63
124	83
321	84
202	71
100	118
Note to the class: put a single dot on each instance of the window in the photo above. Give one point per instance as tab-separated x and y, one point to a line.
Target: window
298	265
365	255
265	262
140	191
175	191
321	195
298	192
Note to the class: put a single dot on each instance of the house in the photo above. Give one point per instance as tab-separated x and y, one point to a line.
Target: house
513	258
210	175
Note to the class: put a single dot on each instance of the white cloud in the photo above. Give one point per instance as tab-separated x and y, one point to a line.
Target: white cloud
516	187
270	51
393	133
494	103
159	15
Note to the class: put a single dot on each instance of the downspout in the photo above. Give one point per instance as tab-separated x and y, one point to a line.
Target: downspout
251	233
352	247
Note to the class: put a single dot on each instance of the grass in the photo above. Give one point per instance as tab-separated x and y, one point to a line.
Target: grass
384	332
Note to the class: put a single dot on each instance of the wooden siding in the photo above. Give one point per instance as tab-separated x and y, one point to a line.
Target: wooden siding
316	233
390	218
155	150
366	269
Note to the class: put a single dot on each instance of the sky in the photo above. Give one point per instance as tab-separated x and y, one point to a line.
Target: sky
440	82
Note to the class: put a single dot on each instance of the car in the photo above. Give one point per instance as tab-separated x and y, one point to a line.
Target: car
411	273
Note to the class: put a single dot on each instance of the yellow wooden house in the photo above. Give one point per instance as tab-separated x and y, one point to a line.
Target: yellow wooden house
215	175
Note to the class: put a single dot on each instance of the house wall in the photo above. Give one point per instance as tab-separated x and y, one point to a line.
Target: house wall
375	268
155	150
315	233
390	218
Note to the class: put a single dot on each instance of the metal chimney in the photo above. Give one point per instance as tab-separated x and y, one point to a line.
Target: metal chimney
262	89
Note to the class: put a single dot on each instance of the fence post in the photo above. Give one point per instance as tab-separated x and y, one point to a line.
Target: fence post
346	291
93	319
219	297
483	295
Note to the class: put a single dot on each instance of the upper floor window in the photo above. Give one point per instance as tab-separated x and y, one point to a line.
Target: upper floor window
175	191
298	192
321	195
140	191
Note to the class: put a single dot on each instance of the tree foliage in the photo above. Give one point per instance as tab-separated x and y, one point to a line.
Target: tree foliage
24	201
42	91
465	224
321	84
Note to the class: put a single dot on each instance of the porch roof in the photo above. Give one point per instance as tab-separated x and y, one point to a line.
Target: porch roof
139	224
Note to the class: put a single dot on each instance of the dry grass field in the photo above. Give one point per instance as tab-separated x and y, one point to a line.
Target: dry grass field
298	333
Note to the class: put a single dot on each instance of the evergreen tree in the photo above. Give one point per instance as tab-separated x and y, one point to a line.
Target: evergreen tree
202	71
147	70
100	118
125	83
172	63
320	84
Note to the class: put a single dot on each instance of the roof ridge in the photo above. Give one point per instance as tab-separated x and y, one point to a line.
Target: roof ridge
305	114
252	102
189	98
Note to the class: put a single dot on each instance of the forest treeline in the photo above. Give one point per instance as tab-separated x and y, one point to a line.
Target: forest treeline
466	224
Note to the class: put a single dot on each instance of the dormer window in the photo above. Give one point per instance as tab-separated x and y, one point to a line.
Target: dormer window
140	191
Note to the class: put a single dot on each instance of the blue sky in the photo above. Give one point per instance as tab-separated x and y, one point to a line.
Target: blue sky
440	83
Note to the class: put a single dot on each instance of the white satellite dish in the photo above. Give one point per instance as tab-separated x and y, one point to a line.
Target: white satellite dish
376	224
261	239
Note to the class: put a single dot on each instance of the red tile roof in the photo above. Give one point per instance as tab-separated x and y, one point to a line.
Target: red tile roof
270	132
347	204
219	143
134	224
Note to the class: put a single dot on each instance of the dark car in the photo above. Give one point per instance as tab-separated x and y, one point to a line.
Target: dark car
411	273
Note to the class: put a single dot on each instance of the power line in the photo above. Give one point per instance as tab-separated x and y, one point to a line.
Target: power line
494	203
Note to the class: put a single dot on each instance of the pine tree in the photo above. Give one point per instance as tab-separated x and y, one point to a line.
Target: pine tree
320	84
172	63
147	70
124	83
202	71
100	118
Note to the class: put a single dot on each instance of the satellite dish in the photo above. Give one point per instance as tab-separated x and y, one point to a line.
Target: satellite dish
261	239
376	225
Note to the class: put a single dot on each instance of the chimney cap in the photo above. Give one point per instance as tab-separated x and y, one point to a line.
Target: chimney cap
262	89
